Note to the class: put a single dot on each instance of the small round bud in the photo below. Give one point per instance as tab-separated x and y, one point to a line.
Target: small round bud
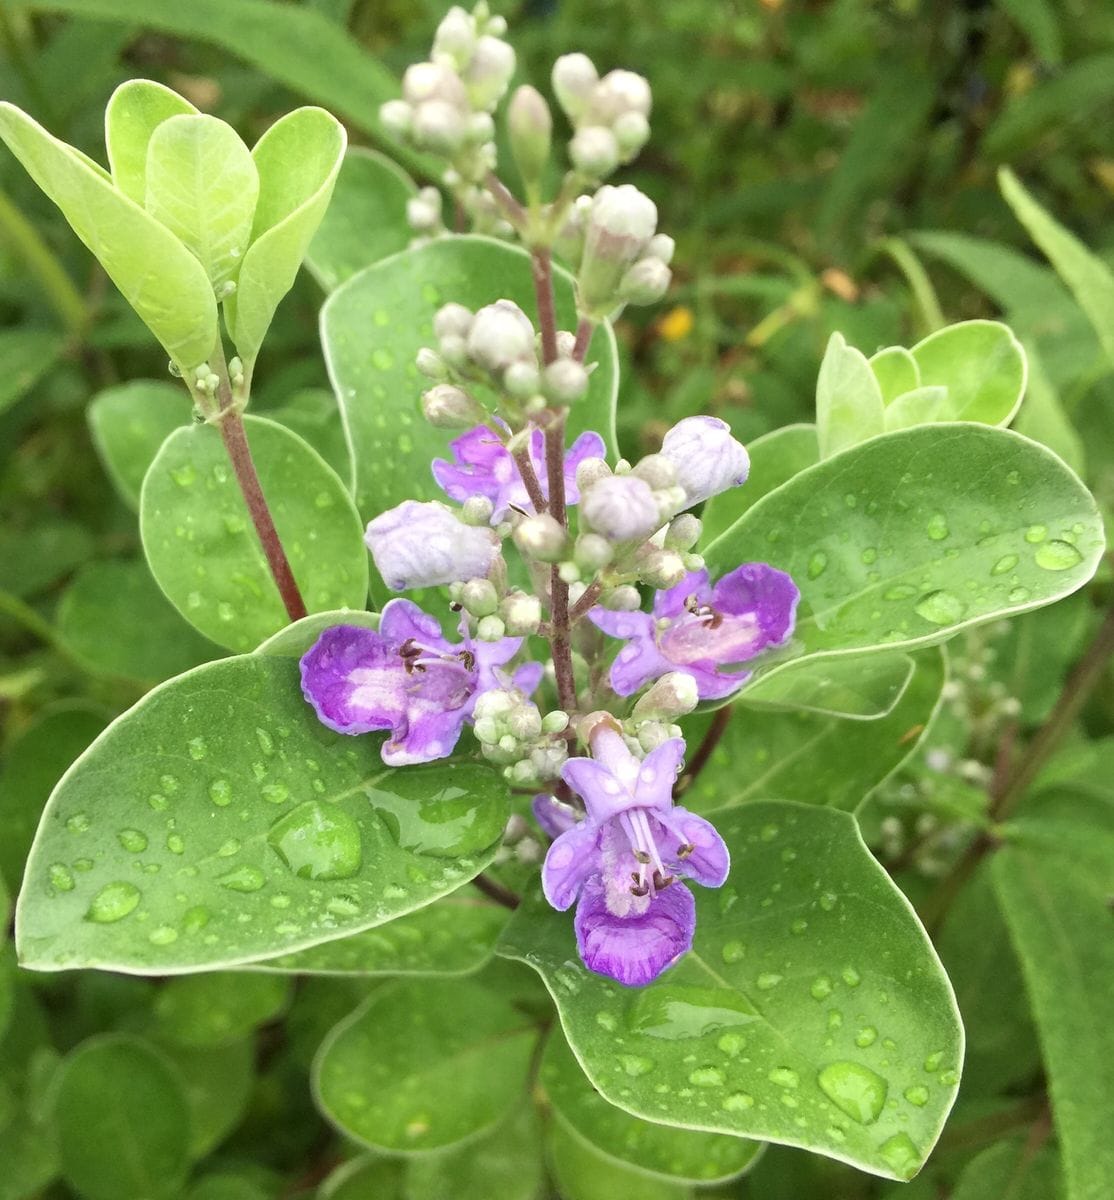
481	127
501	334
479	597
454	350
455	39
449	407
592	552
657	470
525	722
489	71
430	363
452	319
486	730
438	126
521	613
423	211
707	458
646	282
652	734
674	695
594	151
693	562
556	721
397	117
661	246
508	743
521	379
620	92
574	80
632	132
589	471
541	537
568	572
490	629
683	532
624	598
663	569
427	81
530	127
477	510
566	343
620	224
621	508
566	381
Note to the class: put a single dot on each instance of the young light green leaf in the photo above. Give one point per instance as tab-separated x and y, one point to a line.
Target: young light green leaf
982	366
372	328
679	1155
157	275
365	222
910	537
218	822
129	423
1091	281
203	549
812	1010
896	370
921	406
388	1089
297	159
202	185
122	1120
582	1173
848	398
813	758
133	113
865	689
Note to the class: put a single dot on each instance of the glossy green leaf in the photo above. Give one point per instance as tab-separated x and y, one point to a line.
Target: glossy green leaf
369	1178
848	399
34	558
581	1173
314	416
679	1155
203	549
202	185
921	406
1054	880
25	357
1091	281
297	638
1011	1170
774	459
217	1008
896	370
218	1082
97	624
866	688
506	1163
366	221
1043	417
419	1068
812	1010
157	275
133	113
982	366
373	326
455	936
297	159
218	822
129	423
910	537
123	1121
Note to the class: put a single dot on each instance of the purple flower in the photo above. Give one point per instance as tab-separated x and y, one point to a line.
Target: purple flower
484	467
633	919
422	545
700	629
406	678
707	459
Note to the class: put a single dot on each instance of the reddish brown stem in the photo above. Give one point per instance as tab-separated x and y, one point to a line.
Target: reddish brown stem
584	331
512	209
496	891
239	454
705	750
582	606
530	480
542	264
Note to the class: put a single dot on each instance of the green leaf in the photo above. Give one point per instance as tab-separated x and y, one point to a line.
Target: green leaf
910	537
220	823
1054	879
25	357
30	1158
679	1155
203	549
507	1163
812	1010
981	364
921	406
33	559
848	398
1011	1171
1040	22
366	221
583	1174
775	458
369	1178
97	624
129	423
373	326
314	416
393	1093
218	1008
218	1083
123	1121
297	159
455	936
133	113
1042	416
896	370
157	275
202	185
1089	278
230	1187
296	639
865	688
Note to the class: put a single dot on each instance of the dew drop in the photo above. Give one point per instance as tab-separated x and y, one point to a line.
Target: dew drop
608	1021
1004	565
901	1155
184	476
266	742
933	1061
132	840
768	980
382	359
636	1064
275	793
1035	534
343	906
900	591
918	1095
731	1044
869	555
163	935
242	879
228	848
854	1089
866	1036
817	564
60	878
317	842
784	1077
799	926
1057	555
220	792
850	976
708	1077
78	823
940	608
737	1102
821	988
113	902
197	748
937	527
828	901
195	918
175	844
733	952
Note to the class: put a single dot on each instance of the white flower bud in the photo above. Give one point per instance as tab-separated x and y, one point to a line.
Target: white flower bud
683	532
693	562
661	246
646	282
477	510
449	407
673	695
481	128
592	552
574	80
454	350
479	597
525	722
438	126
621	223
569	242
430	363
556	721
423	211
657	470
455	39
566	381
397	117
589	471
624	598
423	545
521	379
620	92
501	334
452	319
490	629
594	151
521	613
652	734
489	71
426	81
632	132
530	127
541	537
621	508
662	569
706	456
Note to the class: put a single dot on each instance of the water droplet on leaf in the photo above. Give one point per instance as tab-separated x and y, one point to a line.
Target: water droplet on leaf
854	1089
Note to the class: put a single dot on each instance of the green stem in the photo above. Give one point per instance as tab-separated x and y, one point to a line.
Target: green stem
21	236
932	316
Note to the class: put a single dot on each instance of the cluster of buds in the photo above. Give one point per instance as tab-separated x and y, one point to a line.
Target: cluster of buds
496	612
612	241
424	215
512	733
610	116
652	720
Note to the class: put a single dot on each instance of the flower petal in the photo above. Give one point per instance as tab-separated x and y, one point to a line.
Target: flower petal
527	677
635	949
658	774
636	664
622	624
354	680
766	593
671	602
403	619
554	817
431	733
710	860
572	858
602	793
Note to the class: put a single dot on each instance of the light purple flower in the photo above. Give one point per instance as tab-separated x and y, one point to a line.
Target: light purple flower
706	457
700	629
422	545
634	918
484	467
405	677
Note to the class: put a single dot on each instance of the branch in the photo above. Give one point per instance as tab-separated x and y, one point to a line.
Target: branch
496	891
704	751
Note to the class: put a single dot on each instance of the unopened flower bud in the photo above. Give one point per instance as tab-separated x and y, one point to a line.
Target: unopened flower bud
566	381
430	363
501	334
693	562
652	734
683	532
488	72
706	456
455	39
589	470
522	380
569	572
646	282
657	470
525	722
569	242
396	117
661	246
521	613
490	629
632	132
574	80
673	695
662	569
620	92
454	350
477	510
481	127
426	81
594	151
621	223
438	126
530	127
541	537
556	721
449	407
624	598
452	320
592	552
621	508
424	545
479	597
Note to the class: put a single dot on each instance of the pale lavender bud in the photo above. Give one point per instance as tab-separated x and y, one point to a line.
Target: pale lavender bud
521	379
541	537
530	127
455	39
574	80
620	508
589	471
430	363
454	350
525	722
706	457
489	71
674	695
438	126
683	532
592	552
566	381
449	407
427	81
424	545
657	470
594	150
521	613
566	343
479	597
481	128
396	116
620	92
624	598
501	334
452	319
646	282
569	242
